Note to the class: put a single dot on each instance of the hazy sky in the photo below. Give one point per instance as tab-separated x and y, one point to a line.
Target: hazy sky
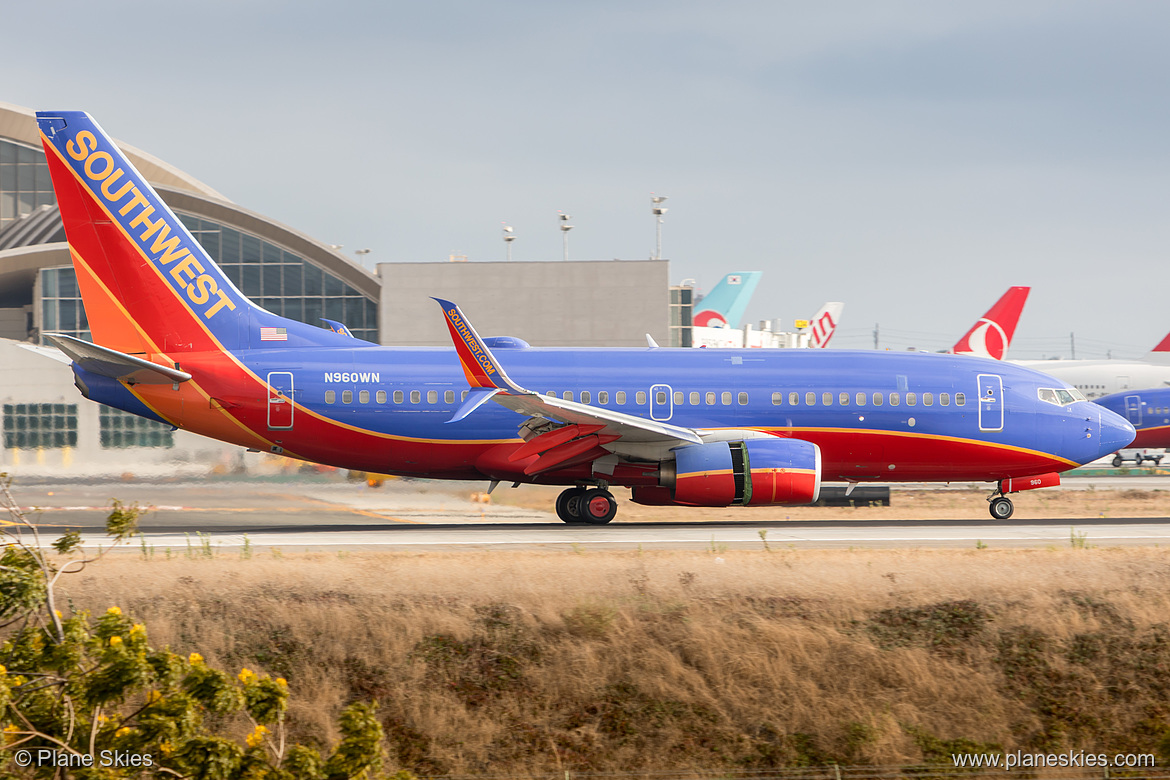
912	159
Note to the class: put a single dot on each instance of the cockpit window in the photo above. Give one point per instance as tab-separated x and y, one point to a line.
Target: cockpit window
1060	396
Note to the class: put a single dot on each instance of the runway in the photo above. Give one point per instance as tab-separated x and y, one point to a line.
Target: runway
403	515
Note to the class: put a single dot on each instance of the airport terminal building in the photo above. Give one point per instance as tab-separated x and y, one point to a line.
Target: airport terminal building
48	427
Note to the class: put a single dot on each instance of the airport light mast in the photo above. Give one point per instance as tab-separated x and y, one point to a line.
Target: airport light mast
565	228
509	237
657	209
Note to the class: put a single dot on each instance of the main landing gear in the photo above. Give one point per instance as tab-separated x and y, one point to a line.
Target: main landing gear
592	506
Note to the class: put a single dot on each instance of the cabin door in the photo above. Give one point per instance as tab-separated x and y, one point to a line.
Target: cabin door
280	404
990	402
1133	409
661	402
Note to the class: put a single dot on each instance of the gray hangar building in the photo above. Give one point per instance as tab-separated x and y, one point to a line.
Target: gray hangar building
48	428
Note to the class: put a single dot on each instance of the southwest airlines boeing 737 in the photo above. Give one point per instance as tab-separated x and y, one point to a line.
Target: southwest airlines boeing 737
175	341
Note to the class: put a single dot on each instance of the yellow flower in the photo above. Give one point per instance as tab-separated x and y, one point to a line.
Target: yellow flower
122	732
195	658
257	736
153	696
283	683
137	631
247	676
11	732
3	670
114	611
115	641
166	747
57	612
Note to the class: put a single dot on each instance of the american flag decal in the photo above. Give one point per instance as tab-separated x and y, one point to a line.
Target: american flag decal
273	334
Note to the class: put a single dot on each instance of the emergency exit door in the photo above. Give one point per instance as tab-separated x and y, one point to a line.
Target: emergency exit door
990	402
280	404
1133	409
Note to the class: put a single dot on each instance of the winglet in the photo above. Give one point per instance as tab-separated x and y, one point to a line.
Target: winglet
478	362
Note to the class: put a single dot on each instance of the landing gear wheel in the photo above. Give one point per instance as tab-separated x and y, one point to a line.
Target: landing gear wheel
1001	508
1117	461
1137	461
597	507
569	505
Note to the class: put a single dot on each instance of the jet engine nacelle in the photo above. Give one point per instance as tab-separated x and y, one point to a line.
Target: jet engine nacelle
755	472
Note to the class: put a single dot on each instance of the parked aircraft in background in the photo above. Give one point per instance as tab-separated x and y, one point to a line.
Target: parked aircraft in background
1148	411
177	342
815	333
991	336
724	306
1098	378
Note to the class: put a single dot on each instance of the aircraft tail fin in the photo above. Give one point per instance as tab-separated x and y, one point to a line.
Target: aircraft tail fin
1161	352
824	324
992	334
147	284
724	306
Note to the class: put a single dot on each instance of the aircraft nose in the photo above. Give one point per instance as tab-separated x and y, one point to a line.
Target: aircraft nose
1116	432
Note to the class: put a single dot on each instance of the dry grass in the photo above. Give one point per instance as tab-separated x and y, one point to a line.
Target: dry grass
523	662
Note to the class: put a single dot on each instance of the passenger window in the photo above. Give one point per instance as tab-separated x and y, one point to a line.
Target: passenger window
381	396
895	399
640	397
860	399
398	396
877	399
660	397
463	396
944	399
928	399
347	396
912	399
364	397
678	398
449	396
694	399
567	395
330	396
960	399
710	399
794	399
743	399
551	393
827	398
843	398
585	396
725	397
602	397
415	396
432	396
621	397
777	398
810	398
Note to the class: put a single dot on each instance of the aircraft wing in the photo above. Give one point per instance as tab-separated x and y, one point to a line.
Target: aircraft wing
489	380
114	364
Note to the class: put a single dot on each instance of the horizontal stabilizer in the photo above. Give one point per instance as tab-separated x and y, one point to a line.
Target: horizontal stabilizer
114	364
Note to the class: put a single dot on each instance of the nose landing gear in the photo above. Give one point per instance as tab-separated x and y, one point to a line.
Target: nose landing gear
591	506
1001	507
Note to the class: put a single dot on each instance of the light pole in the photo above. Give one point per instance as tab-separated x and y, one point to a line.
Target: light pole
657	209
565	228
361	253
509	237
